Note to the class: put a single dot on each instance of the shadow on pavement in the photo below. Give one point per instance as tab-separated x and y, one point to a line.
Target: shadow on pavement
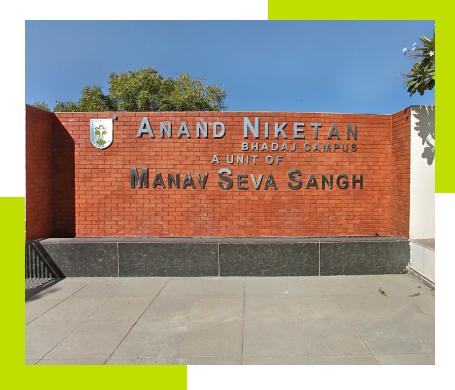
34	286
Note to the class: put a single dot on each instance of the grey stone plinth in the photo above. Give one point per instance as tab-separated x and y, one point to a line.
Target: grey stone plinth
364	257
192	257
269	259
88	259
168	259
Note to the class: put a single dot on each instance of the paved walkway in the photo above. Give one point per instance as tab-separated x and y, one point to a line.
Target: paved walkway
285	320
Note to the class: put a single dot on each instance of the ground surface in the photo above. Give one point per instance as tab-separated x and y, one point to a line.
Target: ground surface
281	320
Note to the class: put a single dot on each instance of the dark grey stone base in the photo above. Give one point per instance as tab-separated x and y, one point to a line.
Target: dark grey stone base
269	259
168	259
176	257
364	258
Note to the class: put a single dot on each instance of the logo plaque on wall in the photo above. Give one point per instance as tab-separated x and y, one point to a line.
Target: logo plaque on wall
101	132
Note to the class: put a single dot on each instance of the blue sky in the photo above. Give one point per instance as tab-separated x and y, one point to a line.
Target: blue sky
302	66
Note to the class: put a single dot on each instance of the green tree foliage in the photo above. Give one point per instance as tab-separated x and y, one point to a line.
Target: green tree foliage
147	90
136	91
41	105
93	99
422	75
65	107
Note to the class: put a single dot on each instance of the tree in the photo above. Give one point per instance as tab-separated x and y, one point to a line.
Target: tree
41	105
93	99
65	107
147	90
136	91
422	75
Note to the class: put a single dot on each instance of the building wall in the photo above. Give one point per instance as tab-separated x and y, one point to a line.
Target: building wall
422	205
39	173
104	204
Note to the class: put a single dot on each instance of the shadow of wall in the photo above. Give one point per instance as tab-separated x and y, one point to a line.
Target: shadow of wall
39	192
425	127
63	182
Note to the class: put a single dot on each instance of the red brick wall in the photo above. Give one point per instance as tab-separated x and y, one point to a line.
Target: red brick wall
39	173
400	192
91	194
105	205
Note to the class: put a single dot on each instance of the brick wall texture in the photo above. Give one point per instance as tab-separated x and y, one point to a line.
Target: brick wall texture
400	191
39	172
76	190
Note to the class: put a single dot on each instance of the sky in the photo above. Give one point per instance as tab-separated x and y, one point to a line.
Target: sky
297	66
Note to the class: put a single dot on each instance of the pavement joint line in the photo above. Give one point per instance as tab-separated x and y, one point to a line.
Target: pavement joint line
361	338
127	333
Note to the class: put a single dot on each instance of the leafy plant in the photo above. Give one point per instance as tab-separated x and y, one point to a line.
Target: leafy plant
422	75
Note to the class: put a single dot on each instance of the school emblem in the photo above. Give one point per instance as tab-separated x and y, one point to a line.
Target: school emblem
101	132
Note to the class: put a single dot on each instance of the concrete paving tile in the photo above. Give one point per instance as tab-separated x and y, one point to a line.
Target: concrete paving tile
407	359
306	286
387	336
225	287
184	287
74	309
369	306
176	309
40	338
102	287
142	287
33	309
31	362
262	286
366	306
273	338
413	284
91	340
267	307
222	339
407	307
424	328
343	360
332	336
121	309
63	289
139	361
210	361
367	284
379	306
153	339
315	307
71	362
214	309
345	284
390	284
275	360
431	299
